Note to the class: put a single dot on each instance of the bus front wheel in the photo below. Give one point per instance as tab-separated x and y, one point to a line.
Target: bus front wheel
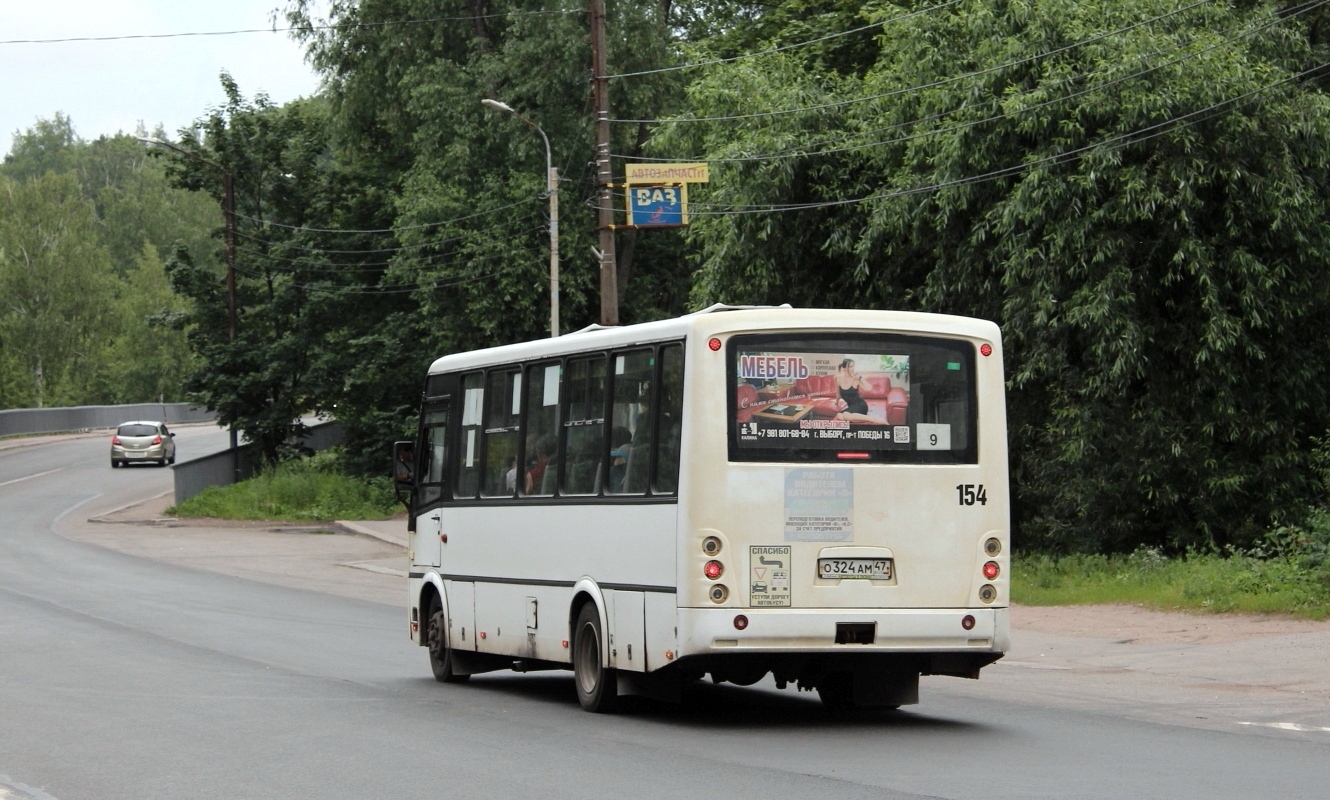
436	641
597	686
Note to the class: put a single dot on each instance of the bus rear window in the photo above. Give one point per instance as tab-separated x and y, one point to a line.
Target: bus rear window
899	399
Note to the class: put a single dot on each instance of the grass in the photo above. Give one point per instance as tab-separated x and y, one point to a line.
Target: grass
1289	573
305	490
1264	582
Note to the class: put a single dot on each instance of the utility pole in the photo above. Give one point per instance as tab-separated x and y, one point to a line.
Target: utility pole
229	212
609	270
229	219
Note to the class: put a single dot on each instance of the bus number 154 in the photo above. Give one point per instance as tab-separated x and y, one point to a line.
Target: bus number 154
969	494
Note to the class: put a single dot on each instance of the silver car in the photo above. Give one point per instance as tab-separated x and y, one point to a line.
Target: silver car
142	441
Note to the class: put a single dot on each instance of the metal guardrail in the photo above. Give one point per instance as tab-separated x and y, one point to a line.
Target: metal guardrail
21	421
191	477
231	466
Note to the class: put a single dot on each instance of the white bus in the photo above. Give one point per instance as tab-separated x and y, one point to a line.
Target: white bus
816	495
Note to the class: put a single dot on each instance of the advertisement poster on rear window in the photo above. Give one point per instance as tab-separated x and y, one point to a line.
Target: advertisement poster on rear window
842	401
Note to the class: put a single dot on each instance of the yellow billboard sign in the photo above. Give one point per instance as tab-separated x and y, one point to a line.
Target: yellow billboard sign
666	173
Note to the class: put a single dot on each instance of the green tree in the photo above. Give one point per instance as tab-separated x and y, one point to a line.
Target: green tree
137	214
1137	192
256	382
149	357
55	279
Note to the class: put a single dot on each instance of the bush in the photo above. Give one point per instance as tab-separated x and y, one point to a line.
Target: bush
1288	577
310	489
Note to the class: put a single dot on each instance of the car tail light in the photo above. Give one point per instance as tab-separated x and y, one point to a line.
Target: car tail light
115	440
156	440
713	570
991	570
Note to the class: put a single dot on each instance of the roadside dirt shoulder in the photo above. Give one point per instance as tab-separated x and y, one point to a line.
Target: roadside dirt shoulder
1262	674
318	557
1128	624
1231	672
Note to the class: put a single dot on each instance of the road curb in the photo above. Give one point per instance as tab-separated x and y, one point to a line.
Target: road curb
348	526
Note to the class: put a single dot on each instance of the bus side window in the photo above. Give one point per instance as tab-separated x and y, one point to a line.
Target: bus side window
630	428
669	430
467	458
584	426
434	432
540	474
502	433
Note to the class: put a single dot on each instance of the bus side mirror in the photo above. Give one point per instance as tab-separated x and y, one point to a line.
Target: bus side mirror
403	458
403	478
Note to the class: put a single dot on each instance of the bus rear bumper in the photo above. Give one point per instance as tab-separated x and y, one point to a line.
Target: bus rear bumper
713	631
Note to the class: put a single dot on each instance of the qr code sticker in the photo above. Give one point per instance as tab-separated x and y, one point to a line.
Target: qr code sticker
901	434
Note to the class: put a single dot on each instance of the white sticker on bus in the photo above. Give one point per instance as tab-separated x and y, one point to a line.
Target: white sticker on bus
768	576
933	436
819	505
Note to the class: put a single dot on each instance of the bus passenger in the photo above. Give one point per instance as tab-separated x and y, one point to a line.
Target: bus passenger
535	474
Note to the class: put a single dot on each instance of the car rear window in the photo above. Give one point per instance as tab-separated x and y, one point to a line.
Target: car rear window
137	430
886	398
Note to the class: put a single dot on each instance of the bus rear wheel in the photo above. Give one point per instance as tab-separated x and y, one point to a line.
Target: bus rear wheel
597	686
436	641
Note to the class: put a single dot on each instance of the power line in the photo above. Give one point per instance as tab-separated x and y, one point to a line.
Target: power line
274	29
783	48
405	288
921	87
370	266
1121	140
806	151
400	228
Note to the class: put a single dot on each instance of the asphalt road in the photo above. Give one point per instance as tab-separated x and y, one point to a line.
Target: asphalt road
123	677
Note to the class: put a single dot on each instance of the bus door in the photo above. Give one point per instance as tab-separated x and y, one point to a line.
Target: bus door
426	544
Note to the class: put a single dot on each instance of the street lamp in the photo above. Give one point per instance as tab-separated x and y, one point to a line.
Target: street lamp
552	191
229	217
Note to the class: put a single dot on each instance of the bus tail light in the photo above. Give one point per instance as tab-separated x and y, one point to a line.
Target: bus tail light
992	547
740	622
714	344
967	622
713	570
991	570
719	593
987	593
711	545
985	349
853	456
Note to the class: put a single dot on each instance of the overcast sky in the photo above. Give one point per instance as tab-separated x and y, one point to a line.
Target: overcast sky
108	87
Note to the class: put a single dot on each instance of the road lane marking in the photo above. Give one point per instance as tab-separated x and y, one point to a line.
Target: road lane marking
30	477
1288	726
11	789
